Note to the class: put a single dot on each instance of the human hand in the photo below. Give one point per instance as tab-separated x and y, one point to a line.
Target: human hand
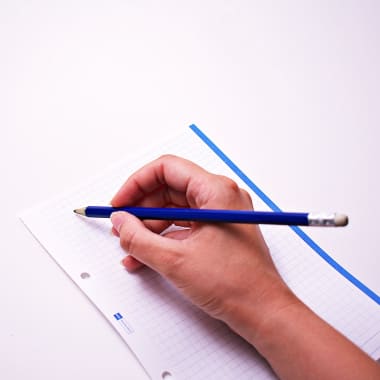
225	269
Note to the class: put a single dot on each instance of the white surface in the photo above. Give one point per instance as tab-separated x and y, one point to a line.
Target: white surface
289	91
165	332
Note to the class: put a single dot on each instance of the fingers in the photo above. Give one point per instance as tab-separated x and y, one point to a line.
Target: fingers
162	197
131	264
172	181
226	194
167	180
145	246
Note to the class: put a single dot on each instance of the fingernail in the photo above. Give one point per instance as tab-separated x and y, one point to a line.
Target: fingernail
113	232
117	219
122	262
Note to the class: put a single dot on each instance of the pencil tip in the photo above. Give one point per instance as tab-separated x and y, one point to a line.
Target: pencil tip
80	211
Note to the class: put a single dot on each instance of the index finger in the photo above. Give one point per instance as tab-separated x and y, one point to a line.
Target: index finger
178	174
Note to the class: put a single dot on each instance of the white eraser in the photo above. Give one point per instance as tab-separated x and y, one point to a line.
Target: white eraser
340	220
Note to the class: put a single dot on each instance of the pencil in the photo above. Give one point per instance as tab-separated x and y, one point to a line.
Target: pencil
221	216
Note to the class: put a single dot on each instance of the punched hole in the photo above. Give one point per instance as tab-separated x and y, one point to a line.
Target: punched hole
85	275
166	375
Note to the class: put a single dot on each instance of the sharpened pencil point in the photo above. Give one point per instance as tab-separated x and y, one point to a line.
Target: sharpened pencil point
80	211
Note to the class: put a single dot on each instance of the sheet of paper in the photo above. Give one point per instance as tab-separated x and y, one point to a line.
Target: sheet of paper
168	334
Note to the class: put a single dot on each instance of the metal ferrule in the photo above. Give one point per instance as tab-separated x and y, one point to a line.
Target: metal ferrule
321	219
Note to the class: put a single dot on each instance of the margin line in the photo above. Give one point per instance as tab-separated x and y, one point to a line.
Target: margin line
306	238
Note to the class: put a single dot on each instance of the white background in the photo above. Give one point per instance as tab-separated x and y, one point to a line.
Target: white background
288	89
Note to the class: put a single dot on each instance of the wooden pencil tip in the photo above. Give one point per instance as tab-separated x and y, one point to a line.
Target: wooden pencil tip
80	211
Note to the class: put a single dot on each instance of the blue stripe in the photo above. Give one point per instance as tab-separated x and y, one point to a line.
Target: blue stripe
371	294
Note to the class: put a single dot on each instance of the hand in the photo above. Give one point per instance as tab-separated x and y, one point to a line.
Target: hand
225	269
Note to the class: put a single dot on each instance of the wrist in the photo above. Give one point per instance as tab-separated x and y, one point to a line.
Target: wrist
298	344
259	314
281	315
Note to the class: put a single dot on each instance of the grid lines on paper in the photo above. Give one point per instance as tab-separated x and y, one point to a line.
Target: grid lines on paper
193	345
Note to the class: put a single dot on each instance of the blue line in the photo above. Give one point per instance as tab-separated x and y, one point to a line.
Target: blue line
371	294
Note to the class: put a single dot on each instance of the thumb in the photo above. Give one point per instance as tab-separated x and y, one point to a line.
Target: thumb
151	249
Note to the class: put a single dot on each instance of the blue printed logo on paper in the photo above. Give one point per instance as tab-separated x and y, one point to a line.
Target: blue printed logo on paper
123	323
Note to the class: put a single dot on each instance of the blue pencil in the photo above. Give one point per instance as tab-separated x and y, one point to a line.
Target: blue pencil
220	216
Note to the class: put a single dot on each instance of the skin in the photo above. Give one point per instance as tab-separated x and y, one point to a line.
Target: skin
239	285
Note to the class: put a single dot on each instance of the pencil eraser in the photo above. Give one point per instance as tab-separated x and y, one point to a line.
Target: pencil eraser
340	220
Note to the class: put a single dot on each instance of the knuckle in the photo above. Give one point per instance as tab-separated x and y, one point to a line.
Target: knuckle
233	195
166	157
246	196
229	183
